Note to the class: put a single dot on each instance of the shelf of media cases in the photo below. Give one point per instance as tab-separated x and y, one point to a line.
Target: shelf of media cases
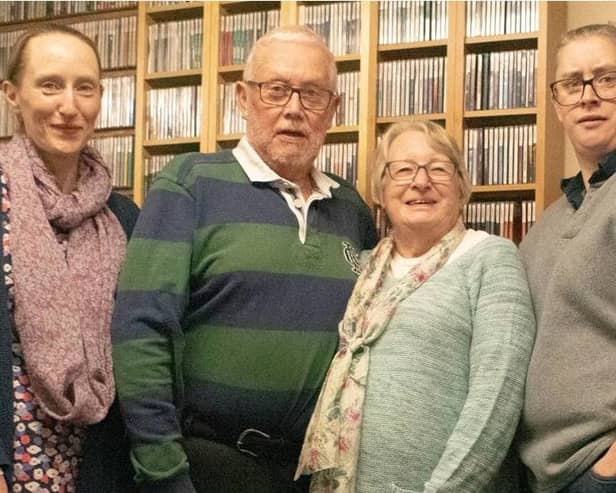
71	18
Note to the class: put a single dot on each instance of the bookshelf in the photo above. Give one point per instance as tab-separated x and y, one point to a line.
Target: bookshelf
538	184
401	49
112	26
435	52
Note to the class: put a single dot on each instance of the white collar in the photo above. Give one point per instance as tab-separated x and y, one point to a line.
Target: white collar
258	171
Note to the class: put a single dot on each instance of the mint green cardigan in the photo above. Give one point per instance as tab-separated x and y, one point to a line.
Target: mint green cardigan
446	379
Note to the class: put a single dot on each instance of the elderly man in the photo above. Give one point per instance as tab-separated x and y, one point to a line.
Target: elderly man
568	433
238	273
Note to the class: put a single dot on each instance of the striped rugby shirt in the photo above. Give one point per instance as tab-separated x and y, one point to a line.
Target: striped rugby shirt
222	312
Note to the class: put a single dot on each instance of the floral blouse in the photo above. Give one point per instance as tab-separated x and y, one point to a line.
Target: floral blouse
46	452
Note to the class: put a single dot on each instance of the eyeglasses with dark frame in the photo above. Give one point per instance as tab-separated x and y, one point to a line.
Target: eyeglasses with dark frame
279	94
405	171
568	92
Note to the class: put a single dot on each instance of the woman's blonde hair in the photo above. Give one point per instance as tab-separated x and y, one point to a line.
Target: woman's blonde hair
17	60
439	140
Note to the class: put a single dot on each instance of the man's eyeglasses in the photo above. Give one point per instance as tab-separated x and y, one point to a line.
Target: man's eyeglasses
279	94
406	171
567	92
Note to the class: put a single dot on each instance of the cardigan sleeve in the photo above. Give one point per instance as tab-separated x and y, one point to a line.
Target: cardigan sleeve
147	333
502	340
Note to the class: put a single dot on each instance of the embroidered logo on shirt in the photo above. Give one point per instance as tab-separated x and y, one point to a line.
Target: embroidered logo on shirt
351	255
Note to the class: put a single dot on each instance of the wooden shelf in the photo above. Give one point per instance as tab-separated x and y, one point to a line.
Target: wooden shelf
502	113
417	49
114	132
342	133
174	12
171	146
504	188
228	137
231	69
344	129
238	7
347	63
502	41
157	80
118	72
382	121
230	73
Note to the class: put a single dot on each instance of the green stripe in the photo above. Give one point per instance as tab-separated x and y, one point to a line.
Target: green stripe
165	184
253	247
158	461
229	171
267	360
142	366
168	273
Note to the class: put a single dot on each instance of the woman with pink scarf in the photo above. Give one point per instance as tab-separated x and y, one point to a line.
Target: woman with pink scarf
64	235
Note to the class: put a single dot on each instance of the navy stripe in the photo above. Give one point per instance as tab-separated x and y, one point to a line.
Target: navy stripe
231	410
342	218
252	203
270	301
260	203
139	313
162	203
150	418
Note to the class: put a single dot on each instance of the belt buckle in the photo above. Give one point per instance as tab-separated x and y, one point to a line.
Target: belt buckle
243	435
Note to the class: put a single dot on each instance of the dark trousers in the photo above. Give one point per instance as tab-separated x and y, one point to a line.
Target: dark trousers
220	468
589	482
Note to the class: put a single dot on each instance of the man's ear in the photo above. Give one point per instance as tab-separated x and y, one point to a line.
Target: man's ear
333	107
10	93
241	98
557	109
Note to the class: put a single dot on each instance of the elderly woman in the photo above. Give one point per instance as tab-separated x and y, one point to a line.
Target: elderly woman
425	391
63	239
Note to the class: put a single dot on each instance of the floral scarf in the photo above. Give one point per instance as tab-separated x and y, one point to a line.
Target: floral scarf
331	445
64	289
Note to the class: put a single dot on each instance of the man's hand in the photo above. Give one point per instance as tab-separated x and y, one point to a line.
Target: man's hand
606	465
3	487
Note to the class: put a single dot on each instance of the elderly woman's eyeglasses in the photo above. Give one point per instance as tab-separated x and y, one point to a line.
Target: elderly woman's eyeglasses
406	171
567	92
279	94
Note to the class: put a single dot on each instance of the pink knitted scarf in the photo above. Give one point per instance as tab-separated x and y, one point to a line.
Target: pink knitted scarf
64	293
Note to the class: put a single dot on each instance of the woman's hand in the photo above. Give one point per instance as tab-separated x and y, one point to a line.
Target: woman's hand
606	465
3	486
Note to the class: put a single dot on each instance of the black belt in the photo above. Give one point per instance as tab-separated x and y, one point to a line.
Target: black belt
250	441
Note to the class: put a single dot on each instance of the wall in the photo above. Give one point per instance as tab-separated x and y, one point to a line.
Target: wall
579	14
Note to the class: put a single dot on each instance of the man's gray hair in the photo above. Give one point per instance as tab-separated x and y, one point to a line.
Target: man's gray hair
300	34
